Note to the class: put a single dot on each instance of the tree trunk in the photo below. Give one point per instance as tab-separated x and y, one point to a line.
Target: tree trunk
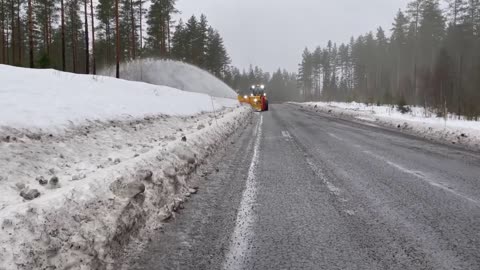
163	40
19	35
455	12
94	65
49	32
30	33
74	42
133	29
3	30
141	29
415	45
62	11
12	39
117	41
168	34
87	44
45	31
108	49
7	56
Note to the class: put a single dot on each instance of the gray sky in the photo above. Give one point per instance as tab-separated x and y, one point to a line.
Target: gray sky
273	33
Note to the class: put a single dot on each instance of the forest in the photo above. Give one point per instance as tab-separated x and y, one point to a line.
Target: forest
431	58
82	36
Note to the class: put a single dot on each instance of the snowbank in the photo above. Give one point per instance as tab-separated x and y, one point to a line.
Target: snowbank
49	99
174	74
114	181
419	122
87	162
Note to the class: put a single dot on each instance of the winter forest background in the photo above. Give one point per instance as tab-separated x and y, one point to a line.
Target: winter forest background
430	57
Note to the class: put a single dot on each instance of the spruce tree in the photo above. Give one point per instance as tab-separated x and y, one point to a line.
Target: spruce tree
216	57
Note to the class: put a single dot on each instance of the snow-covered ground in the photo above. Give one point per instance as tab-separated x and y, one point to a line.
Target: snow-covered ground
53	100
175	74
87	162
418	122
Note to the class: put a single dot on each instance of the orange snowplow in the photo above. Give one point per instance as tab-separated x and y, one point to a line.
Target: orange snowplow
257	99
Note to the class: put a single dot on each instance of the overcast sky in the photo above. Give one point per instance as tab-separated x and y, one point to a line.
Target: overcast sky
273	33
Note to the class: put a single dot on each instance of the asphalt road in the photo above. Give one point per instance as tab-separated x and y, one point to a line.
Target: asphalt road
303	190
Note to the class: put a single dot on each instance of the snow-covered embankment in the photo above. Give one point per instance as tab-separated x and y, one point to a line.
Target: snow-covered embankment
417	122
89	162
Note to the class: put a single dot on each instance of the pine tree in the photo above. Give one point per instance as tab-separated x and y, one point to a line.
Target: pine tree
399	44
216	58
128	28
2	32
30	34
45	16
117	41
62	27
190	35
13	41
105	45
87	43
180	41
133	29
19	33
316	72
414	10
431	32
457	11
199	42
305	74
94	64
158	21
141	12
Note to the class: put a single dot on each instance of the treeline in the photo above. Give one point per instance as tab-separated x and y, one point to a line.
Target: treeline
431	59
83	35
280	86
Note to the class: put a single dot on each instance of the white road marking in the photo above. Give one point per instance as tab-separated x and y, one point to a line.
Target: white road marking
287	135
337	192
343	140
243	232
336	137
332	188
422	176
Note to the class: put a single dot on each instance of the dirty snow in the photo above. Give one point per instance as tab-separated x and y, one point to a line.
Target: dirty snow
123	153
419	122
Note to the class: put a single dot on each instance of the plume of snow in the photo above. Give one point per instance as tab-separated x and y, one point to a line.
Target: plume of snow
174	74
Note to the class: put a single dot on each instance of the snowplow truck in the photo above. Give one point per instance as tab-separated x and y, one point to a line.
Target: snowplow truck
257	98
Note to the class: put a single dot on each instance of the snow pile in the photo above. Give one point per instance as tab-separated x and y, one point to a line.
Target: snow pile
122	162
174	74
43	99
419	122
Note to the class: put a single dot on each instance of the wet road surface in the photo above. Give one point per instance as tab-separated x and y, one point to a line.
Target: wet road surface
303	190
